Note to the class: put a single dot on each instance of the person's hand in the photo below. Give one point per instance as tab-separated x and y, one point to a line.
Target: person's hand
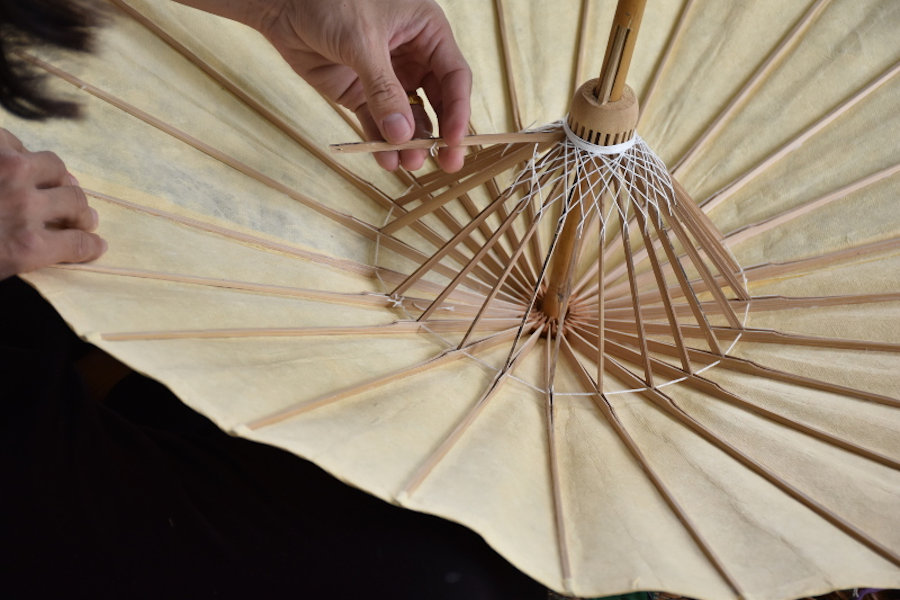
44	216
367	55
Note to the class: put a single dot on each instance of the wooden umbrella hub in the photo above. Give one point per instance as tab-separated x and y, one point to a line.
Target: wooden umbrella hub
603	123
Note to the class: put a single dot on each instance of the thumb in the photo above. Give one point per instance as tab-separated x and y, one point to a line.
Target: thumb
386	99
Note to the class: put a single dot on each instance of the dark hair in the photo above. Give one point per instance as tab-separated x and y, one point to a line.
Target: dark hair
24	23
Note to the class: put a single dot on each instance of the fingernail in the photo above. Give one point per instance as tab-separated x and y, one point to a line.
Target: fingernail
72	180
396	128
103	246
94	215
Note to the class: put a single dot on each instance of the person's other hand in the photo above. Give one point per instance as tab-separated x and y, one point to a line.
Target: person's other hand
44	216
367	54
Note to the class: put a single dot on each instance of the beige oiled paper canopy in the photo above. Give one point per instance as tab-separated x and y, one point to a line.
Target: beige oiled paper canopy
247	272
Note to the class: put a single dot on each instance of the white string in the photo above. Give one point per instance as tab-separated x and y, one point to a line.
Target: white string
630	173
594	148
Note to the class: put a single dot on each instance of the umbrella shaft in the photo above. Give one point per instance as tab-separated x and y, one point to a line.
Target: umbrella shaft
619	49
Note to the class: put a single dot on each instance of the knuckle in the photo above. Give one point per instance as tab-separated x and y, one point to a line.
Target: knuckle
78	199
383	89
50	157
13	165
23	245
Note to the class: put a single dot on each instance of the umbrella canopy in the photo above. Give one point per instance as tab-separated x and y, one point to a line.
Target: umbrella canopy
267	283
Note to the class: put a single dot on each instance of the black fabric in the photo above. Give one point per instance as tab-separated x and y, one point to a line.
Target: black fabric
139	497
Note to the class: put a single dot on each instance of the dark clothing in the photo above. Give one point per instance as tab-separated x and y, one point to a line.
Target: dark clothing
139	497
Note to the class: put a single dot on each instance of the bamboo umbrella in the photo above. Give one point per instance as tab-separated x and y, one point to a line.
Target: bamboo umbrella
711	410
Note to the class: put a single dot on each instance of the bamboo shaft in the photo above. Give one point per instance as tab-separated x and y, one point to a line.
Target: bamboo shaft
619	49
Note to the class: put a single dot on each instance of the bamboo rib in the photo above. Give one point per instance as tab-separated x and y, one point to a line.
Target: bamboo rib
483	139
486	271
705	273
427	265
662	290
361	300
679	415
730	189
608	411
454	192
761	272
652	296
507	67
684	284
490	297
493	189
352	123
766	271
493	261
709	240
636	304
397	327
556	479
714	390
663	61
456	280
269	245
757	304
408	179
427	466
709	243
473	164
601	297
490	268
765	336
237	236
742	365
524	271
669	406
778	54
531	240
749	231
584	20
365	299
411	181
440	360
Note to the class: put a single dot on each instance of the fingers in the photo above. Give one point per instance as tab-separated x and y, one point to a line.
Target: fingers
8	141
44	215
48	170
386	99
386	114
71	246
453	104
386	160
413	160
67	207
28	250
408	159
